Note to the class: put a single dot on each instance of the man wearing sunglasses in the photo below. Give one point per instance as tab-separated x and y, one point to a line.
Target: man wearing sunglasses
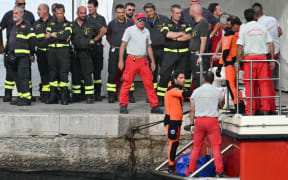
176	51
155	22
137	40
129	11
8	24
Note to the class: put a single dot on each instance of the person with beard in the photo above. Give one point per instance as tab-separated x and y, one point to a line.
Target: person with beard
20	51
8	23
129	11
83	36
115	32
174	98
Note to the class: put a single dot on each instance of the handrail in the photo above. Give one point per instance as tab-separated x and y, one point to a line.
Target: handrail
210	161
251	84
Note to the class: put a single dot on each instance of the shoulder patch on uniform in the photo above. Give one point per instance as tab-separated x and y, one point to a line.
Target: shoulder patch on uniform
225	42
31	29
38	25
170	25
52	23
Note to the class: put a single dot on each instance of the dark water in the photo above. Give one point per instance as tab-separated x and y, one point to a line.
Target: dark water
8	175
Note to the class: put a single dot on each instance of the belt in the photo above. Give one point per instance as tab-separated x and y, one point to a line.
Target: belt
136	56
176	50
58	45
194	52
117	47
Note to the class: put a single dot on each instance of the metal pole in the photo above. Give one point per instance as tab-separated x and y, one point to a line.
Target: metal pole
279	86
179	152
251	87
73	5
201	70
237	93
227	97
210	161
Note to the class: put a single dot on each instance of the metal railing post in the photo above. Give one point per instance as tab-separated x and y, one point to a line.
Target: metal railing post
201	70
237	84
251	88
279	86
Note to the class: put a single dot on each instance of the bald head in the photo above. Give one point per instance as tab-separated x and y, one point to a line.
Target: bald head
43	10
193	2
81	13
196	10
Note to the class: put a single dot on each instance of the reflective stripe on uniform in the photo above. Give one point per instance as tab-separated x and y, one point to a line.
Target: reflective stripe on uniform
132	87
58	45
42	49
111	87
48	29
162	89
46	88
26	95
42	35
155	85
97	81
28	36
188	29
68	29
160	94
9	84
176	50
54	83
23	51
89	90
164	28
64	84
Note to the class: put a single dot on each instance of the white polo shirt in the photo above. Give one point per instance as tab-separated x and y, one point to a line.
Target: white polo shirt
206	99
137	40
254	38
272	26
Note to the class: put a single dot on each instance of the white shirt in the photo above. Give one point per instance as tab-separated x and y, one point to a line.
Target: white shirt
137	40
206	99
272	26
254	38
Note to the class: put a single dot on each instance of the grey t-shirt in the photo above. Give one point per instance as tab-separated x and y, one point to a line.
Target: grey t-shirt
137	40
206	99
201	29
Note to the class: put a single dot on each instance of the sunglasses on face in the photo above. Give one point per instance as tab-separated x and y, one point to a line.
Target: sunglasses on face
131	10
141	19
21	4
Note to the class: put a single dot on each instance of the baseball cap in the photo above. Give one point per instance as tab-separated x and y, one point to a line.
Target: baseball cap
140	15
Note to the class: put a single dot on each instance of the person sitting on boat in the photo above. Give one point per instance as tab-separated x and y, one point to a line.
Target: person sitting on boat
204	105
173	99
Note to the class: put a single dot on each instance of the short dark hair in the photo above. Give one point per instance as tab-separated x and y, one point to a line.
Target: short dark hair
175	75
257	5
149	5
60	6
119	6
94	2
212	7
209	77
235	20
53	6
249	14
130	4
175	6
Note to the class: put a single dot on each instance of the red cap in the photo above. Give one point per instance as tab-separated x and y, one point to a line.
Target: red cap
140	15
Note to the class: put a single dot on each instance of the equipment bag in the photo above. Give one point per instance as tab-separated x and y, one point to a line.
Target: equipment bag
182	164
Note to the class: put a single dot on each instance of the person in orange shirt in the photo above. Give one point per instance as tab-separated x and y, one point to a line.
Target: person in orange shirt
228	59
173	98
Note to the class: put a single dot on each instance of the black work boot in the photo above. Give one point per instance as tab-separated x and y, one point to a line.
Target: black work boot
131	97
8	95
219	175
111	97
44	96
161	101
76	98
53	98
156	110
16	101
24	102
242	108
97	92
89	99
65	96
171	170
123	109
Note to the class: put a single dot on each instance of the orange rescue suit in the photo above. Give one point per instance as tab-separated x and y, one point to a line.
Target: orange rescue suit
228	59
173	98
